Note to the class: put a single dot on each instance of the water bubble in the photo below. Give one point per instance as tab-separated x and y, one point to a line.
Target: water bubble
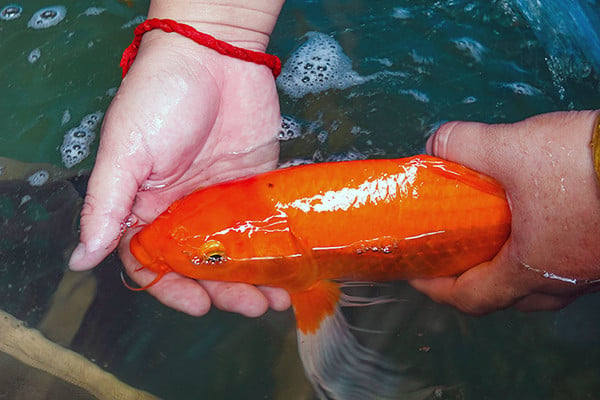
66	117
521	88
351	155
111	92
47	17
73	153
290	128
38	178
92	11
76	145
471	47
34	55
80	135
92	120
401	13
322	136
10	12
127	223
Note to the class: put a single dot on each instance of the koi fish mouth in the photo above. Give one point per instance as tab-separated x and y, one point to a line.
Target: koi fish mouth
146	260
139	252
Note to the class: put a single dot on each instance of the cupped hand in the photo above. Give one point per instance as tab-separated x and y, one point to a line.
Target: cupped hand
184	117
553	253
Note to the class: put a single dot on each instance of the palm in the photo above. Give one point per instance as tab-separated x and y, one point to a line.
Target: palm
180	122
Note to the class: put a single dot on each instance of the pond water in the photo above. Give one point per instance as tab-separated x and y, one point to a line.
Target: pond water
411	65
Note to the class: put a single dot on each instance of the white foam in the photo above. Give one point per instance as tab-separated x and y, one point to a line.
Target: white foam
320	64
38	178
76	141
34	55
470	47
79	134
290	128
73	153
47	17
351	155
295	162
66	117
416	94
10	12
401	13
92	11
133	22
317	65
91	121
521	88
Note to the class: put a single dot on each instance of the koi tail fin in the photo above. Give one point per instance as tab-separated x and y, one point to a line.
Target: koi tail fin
338	366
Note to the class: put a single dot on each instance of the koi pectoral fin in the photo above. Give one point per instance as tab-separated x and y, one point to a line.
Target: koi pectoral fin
338	366
313	305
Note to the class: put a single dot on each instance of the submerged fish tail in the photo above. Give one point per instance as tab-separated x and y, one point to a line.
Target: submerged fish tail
338	366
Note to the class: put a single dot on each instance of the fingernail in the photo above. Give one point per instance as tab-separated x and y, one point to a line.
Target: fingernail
77	256
429	144
437	144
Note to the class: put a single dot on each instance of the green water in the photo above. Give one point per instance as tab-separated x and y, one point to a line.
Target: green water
501	356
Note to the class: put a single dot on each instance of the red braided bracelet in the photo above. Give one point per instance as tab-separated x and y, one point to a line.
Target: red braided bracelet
168	25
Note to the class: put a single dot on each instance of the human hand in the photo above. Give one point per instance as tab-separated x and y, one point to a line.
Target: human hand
184	117
553	253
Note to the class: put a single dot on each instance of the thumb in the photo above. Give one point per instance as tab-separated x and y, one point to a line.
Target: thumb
474	144
111	192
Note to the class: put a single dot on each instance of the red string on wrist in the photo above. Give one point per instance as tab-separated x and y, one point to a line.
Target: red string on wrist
168	25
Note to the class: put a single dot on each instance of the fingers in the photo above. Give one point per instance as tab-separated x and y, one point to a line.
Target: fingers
543	302
236	297
462	142
482	147
173	290
107	205
499	284
485	288
279	299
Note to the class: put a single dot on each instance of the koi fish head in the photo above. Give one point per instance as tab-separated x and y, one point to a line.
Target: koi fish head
214	236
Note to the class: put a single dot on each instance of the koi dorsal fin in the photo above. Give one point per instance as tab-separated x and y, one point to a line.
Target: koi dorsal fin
338	366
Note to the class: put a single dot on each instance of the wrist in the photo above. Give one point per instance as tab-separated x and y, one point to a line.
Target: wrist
247	24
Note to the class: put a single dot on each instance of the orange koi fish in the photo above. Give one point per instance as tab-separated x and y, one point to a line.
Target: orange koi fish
308	228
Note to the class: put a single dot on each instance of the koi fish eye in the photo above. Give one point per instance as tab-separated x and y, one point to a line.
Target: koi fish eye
213	252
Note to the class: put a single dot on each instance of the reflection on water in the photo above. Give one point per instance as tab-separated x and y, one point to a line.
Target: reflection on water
494	61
